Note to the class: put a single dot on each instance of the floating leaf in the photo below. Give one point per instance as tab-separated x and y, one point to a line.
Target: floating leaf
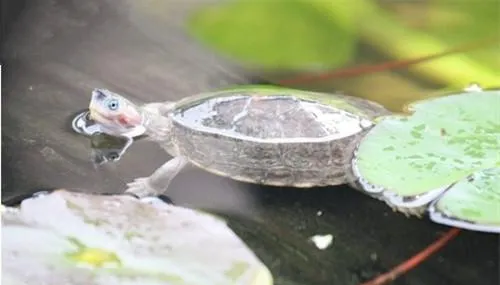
74	238
410	160
292	34
472	203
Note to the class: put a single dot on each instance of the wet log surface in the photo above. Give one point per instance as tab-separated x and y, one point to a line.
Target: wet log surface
57	51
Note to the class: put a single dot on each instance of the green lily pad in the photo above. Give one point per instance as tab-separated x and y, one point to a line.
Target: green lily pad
75	238
472	203
289	35
408	161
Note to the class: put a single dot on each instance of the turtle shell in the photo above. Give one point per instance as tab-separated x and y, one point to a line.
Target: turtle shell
273	136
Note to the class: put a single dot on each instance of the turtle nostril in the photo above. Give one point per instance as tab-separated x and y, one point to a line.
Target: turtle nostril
99	95
113	156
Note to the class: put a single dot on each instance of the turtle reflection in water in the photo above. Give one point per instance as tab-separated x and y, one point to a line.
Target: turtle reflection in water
267	135
107	148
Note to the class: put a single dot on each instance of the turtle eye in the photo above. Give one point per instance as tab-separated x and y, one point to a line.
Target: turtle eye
113	104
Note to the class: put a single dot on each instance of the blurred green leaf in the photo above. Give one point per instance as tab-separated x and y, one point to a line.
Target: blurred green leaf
115	240
467	21
387	32
291	34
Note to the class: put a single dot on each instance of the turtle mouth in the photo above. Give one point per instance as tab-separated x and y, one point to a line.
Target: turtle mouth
113	125
109	124
99	118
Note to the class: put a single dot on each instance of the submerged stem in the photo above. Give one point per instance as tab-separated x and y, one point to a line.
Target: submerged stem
415	260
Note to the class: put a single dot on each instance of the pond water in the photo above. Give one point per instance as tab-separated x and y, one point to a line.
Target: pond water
56	52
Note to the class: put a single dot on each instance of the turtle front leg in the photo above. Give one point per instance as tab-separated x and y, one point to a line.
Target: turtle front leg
159	181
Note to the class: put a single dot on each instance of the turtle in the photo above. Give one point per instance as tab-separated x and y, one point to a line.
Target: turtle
257	134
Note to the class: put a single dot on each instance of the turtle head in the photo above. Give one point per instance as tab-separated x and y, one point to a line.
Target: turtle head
115	114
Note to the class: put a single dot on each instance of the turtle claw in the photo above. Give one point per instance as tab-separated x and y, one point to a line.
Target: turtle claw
141	188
